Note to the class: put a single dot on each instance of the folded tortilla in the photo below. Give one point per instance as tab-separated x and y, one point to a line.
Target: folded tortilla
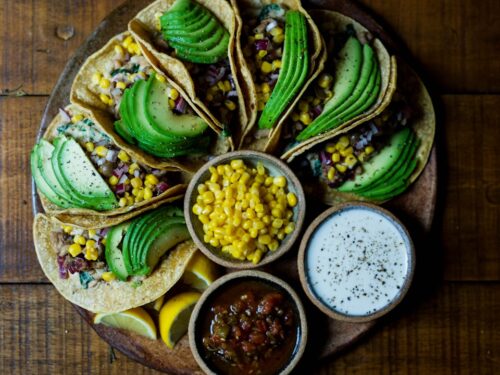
113	296
331	23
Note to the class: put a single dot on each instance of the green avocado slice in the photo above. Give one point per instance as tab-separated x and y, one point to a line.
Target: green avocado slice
202	56
182	10
380	164
196	36
38	156
113	253
294	70
208	44
175	25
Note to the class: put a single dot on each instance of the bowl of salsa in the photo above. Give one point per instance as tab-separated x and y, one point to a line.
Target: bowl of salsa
248	322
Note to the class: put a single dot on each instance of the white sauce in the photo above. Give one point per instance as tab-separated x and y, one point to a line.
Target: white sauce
357	261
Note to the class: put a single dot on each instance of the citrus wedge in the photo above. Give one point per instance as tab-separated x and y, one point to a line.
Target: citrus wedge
158	303
174	317
136	320
200	272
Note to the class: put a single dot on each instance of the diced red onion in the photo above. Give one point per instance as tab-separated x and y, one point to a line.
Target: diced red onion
77	231
120	189
103	232
123	179
63	272
118	172
158	172
317	110
271	25
77	265
111	155
180	105
65	115
325	157
262	44
162	187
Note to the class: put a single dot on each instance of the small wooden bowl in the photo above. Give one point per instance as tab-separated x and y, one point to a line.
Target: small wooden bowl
301	262
274	167
241	276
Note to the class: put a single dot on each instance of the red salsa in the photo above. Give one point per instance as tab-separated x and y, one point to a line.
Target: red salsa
250	328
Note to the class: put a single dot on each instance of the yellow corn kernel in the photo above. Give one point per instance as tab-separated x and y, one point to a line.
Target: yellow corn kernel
119	50
89	146
266	67
76	118
257	256
330	148
316	101
214	242
369	150
276	64
74	249
136	182
137	49
341	168
277	213
305	118
347	151
104	83
197	209
130	201
259	36
123	156
278	39
350	161
221	86
230	105
261	53
331	174
277	223
79	239
160	78
113	180
135	191
264	239
280	181
92	232
289	228
139	197
108	276
148	193
90	243
342	143
237	164
121	85
132	168
362	157
325	80
96	78
91	253
265	88
101	151
335	157
295	116
273	246
122	202
152	179
67	228
260	105
253	232
171	103
208	197
276	31
304	106
105	99
126	42
173	93
131	48
291	199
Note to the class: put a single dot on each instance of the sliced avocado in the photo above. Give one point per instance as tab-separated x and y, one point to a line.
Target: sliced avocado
203	55
43	185
380	163
148	236
181	9
123	131
294	71
175	24
86	182
159	114
195	36
113	252
208	44
397	169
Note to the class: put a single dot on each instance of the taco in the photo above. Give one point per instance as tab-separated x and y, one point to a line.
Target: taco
357	84
193	42
280	51
379	159
79	170
89	269
143	110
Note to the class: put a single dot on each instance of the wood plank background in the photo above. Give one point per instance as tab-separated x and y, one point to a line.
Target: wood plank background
450	323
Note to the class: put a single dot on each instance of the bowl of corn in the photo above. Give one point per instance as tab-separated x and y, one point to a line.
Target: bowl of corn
244	209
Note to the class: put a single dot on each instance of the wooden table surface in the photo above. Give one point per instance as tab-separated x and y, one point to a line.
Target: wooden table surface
450	322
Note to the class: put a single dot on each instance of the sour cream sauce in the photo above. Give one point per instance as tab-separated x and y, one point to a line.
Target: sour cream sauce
357	261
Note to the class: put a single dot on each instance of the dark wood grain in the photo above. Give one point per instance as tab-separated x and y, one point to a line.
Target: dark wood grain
454	332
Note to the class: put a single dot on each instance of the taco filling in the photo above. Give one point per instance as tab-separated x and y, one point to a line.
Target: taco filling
191	33
82	167
375	160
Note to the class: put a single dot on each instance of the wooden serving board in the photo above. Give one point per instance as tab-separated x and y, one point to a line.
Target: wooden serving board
415	208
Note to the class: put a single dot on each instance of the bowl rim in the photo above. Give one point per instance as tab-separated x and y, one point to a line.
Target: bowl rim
305	242
269	256
250	274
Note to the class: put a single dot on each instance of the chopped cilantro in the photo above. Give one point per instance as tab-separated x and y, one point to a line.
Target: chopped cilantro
133	69
85	279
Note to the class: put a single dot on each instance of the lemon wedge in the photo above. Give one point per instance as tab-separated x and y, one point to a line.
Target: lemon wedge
200	272
135	320
158	303
174	317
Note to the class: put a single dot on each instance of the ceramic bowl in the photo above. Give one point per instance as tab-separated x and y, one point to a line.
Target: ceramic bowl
275	167
356	269
220	287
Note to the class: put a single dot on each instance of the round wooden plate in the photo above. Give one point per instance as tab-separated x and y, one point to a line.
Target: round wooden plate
415	208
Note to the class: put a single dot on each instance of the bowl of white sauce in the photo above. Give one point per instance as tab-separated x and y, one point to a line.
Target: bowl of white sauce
356	262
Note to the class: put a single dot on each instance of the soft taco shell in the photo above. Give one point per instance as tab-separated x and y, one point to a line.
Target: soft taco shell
111	296
52	209
334	22
84	94
318	59
424	125
144	26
